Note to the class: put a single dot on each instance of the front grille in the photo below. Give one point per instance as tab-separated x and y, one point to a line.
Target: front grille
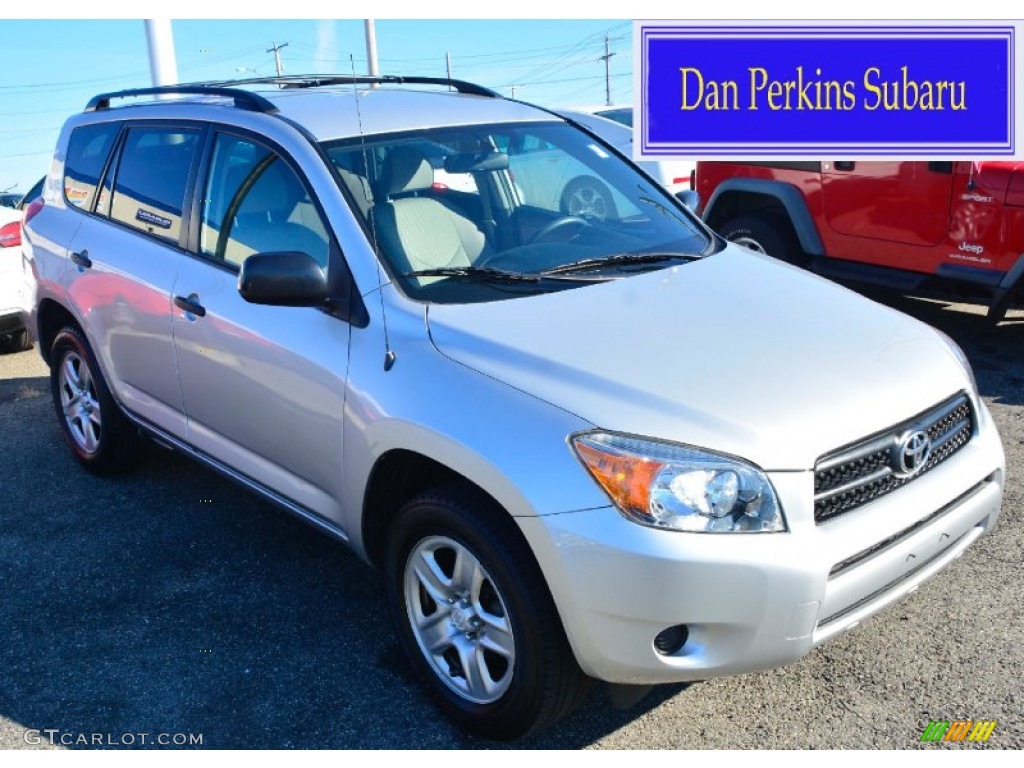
857	474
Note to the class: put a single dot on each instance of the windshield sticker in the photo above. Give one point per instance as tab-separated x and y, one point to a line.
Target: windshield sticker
152	218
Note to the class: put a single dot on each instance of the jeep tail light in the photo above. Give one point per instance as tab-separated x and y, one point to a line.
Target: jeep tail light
10	234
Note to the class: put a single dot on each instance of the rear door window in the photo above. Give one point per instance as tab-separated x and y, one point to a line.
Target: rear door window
149	192
87	154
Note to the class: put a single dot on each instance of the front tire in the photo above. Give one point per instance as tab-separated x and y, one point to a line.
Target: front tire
475	617
770	234
101	437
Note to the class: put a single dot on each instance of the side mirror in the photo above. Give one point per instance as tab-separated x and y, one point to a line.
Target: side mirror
690	199
283	278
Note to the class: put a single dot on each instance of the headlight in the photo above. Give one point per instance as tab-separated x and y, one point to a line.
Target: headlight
964	362
665	485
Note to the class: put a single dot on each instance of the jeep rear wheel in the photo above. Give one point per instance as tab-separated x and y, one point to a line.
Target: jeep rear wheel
765	233
475	617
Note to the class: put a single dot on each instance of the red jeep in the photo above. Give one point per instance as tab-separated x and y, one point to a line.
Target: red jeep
956	227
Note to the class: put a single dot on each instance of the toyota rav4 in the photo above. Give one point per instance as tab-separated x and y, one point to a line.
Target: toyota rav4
579	446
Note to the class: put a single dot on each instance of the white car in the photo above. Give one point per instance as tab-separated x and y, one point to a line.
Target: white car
16	294
675	175
13	293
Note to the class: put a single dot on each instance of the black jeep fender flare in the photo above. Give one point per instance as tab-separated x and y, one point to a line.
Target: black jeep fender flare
788	198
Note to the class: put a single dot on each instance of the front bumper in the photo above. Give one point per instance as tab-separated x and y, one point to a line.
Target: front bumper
755	601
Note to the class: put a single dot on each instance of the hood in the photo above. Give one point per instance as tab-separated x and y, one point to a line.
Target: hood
737	353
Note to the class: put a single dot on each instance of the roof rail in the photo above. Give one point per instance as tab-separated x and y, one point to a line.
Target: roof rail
242	99
316	81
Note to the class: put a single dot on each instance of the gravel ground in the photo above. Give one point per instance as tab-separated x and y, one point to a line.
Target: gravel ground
169	601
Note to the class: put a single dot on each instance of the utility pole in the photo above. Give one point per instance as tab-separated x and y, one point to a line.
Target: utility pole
371	48
448	64
276	50
607	58
162	65
513	91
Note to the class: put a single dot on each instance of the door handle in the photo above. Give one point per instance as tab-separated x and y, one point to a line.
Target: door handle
190	305
81	258
845	165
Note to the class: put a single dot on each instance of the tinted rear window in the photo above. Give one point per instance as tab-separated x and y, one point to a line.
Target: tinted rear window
151	178
87	154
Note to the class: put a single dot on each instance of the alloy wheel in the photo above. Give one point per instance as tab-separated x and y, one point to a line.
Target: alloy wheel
459	619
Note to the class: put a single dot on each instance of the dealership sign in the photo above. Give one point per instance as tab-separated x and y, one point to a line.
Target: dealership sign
864	89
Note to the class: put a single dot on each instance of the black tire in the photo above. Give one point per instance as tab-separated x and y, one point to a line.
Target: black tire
100	436
588	197
771	234
543	682
15	341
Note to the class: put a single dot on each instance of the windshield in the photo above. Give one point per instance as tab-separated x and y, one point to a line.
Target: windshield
481	213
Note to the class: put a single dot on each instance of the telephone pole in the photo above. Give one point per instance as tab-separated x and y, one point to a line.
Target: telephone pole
607	59
276	50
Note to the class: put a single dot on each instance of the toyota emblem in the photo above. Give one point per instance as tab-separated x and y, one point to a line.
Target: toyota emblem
913	453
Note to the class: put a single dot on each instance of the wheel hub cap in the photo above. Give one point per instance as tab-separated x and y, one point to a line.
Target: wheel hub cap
458	619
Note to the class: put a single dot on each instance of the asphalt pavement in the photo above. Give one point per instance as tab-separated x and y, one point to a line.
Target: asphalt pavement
171	603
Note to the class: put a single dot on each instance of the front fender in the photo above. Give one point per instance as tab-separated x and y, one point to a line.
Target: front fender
509	443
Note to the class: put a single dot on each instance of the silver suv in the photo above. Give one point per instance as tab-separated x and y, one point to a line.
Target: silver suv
579	446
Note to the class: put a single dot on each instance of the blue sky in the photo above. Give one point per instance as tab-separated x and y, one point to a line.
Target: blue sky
51	68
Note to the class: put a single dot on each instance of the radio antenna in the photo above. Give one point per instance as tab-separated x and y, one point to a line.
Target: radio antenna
389	355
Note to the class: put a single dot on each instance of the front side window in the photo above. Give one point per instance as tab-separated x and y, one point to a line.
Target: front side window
487	212
255	203
151	178
87	154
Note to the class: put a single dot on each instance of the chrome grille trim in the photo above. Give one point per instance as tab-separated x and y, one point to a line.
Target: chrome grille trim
860	473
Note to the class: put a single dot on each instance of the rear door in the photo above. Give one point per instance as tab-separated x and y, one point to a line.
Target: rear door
127	253
263	386
895	201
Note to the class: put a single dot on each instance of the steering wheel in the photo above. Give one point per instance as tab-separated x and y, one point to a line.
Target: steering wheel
560	223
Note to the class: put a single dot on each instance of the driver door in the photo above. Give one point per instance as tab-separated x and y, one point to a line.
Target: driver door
263	387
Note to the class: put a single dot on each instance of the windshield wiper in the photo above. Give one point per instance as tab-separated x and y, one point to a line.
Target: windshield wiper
495	275
479	273
618	260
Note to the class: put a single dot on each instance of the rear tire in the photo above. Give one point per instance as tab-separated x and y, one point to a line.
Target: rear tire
771	234
15	341
100	436
475	617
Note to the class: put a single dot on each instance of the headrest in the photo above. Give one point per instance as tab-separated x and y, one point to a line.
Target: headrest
276	190
406	169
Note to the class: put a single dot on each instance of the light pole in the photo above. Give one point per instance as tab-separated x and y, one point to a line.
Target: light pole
163	66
